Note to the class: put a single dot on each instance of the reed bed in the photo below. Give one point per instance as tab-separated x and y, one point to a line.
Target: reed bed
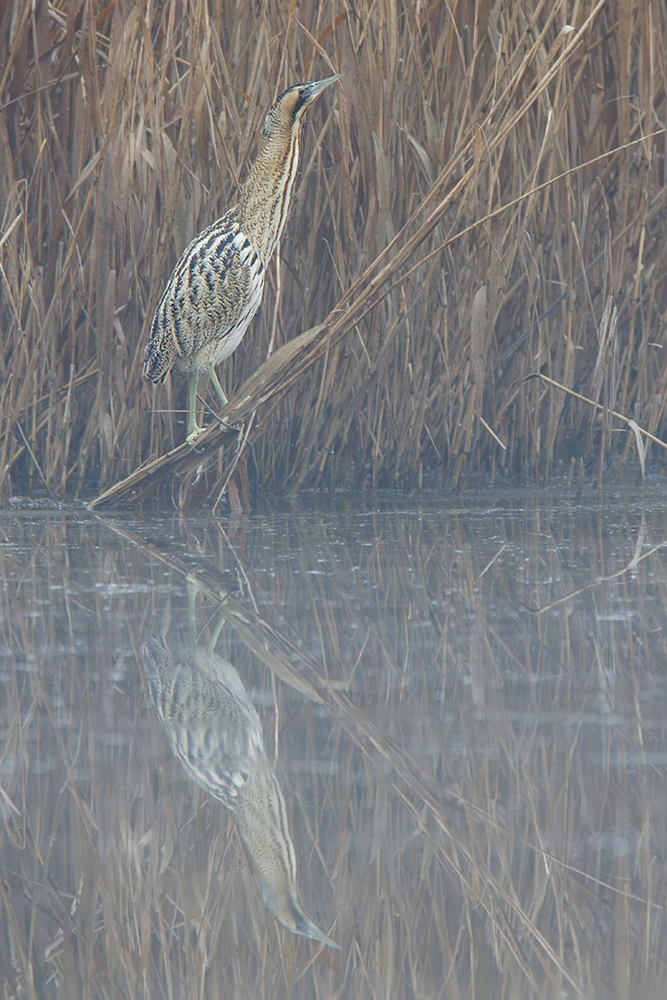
484	200
478	807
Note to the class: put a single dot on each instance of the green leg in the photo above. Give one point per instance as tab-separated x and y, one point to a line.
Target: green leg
193	588
194	430
220	392
213	375
214	638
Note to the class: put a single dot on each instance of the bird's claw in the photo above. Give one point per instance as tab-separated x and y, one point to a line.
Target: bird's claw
195	433
239	428
241	431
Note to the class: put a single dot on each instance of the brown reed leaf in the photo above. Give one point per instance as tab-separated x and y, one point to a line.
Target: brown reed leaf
479	341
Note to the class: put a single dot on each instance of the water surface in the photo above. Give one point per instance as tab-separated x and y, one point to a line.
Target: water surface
463	701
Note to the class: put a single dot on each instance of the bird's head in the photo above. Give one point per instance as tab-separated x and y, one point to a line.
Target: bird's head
287	112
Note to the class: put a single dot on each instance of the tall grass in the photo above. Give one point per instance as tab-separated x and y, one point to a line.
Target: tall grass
484	200
479	810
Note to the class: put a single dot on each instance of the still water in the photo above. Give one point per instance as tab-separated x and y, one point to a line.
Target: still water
431	731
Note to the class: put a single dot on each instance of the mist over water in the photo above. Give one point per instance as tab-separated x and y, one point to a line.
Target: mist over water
463	702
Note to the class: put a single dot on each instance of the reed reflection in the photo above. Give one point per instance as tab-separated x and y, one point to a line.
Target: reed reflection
471	707
216	734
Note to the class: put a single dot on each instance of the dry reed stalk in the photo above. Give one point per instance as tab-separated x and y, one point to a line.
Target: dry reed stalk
471	152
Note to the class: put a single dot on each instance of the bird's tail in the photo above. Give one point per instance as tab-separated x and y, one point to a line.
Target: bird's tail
157	363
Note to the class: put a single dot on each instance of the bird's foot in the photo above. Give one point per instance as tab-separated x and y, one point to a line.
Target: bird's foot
195	433
240	430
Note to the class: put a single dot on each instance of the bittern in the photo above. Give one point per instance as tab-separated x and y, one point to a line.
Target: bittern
216	734
217	285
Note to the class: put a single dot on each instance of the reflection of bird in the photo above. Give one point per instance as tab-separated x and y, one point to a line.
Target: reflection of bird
217	285
216	734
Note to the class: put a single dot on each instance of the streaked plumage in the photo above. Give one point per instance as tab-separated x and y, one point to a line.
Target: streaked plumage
218	283
216	734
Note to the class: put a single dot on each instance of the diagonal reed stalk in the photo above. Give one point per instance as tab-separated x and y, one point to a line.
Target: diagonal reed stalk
503	157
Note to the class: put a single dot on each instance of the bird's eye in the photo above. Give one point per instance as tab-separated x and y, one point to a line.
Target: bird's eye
302	97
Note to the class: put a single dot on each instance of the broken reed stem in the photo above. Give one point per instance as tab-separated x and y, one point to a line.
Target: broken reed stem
598	406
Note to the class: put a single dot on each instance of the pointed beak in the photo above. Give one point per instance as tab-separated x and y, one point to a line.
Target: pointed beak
315	89
308	930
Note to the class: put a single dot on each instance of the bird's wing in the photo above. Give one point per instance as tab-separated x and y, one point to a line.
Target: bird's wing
213	293
219	760
213	727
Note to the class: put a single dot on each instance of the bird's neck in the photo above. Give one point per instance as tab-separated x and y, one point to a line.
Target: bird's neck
267	194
